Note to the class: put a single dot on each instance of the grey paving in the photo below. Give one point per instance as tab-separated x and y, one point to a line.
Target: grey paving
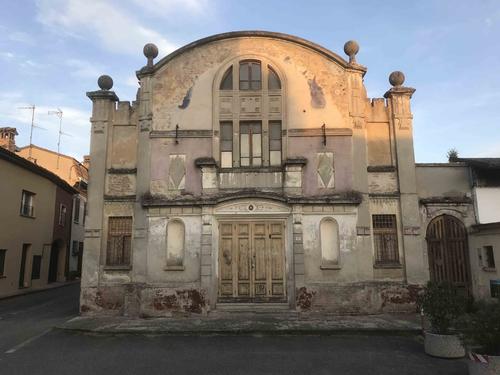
29	346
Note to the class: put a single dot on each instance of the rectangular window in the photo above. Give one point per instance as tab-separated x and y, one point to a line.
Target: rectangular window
76	211
489	257
119	241
35	269
62	215
385	237
275	142
250	144
3	253
84	211
226	144
250	75
27	204
74	248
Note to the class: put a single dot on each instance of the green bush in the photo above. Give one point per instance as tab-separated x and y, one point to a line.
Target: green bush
442	303
480	328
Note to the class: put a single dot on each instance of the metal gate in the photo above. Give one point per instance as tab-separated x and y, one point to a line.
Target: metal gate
448	251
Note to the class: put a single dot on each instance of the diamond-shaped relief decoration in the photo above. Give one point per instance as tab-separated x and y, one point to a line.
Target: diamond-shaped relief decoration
177	172
325	170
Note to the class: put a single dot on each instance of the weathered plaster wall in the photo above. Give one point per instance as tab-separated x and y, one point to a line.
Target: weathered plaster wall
308	147
442	180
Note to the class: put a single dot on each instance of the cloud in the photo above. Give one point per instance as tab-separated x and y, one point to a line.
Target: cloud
162	8
115	29
21	37
75	123
84	69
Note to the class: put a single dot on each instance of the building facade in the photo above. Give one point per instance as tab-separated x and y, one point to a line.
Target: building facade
36	221
75	174
253	169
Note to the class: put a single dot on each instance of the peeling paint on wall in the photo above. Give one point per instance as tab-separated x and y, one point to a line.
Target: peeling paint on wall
317	96
187	99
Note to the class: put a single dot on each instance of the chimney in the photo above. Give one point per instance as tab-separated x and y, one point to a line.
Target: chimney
8	138
86	161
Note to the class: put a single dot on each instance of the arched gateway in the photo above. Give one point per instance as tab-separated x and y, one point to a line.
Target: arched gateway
448	251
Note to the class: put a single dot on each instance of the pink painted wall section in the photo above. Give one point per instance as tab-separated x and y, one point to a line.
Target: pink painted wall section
308	147
193	148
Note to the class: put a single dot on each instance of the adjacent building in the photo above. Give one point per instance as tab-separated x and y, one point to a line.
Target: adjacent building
253	170
36	224
75	174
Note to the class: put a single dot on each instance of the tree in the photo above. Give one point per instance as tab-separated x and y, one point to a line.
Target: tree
452	154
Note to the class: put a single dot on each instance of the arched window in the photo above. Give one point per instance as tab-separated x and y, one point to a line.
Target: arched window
329	240
273	81
227	80
175	244
249	115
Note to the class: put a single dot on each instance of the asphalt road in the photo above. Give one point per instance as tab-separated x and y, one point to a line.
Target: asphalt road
28	346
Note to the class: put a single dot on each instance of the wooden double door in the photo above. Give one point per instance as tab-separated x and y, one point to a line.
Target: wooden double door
252	261
448	252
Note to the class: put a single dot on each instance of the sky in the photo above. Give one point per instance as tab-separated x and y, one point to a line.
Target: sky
53	51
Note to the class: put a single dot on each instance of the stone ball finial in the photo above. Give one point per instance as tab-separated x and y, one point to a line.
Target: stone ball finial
150	51
105	82
396	78
351	48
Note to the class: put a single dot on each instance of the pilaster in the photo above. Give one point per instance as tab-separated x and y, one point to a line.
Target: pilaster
103	111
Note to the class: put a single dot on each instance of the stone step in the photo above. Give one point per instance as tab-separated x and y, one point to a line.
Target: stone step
253	307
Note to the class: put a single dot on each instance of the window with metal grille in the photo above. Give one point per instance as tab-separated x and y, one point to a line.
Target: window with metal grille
3	252
27	204
385	238
119	241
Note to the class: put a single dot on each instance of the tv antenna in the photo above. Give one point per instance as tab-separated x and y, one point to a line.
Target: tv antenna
32	108
59	113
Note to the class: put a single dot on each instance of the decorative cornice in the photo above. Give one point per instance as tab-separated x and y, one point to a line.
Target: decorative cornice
120	198
122	170
349	198
102	94
445	200
295	161
205	162
318	132
381	168
181	134
399	91
252	34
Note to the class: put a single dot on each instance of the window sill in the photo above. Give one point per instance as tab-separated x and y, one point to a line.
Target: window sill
174	268
117	268
3	277
388	265
28	216
330	267
489	269
262	169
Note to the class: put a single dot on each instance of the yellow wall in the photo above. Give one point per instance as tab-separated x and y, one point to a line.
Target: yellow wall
17	229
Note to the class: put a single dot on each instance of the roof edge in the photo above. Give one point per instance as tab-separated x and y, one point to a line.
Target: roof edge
32	167
251	33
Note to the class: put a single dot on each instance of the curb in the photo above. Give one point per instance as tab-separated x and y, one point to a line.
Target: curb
33	291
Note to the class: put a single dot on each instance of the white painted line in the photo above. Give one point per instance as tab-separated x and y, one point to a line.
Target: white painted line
24	343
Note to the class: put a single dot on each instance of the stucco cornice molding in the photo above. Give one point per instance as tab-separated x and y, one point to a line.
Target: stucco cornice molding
347	198
253	34
103	95
399	91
